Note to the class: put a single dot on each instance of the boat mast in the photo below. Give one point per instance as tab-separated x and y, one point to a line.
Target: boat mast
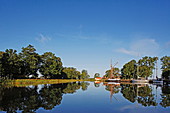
111	70
156	69
137	68
137	71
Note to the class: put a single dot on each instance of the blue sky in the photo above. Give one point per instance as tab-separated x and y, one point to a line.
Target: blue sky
87	34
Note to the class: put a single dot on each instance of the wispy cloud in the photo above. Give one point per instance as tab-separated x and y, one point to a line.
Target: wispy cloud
81	34
125	51
43	39
128	107
142	47
101	38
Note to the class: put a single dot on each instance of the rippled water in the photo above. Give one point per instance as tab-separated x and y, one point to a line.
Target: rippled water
86	97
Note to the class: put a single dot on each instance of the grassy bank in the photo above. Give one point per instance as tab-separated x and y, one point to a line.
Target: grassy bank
27	82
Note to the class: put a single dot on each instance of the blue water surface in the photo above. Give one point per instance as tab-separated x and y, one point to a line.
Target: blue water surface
87	97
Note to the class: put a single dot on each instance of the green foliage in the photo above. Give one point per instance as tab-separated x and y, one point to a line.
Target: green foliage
84	74
30	60
71	73
129	70
13	65
96	75
116	72
146	66
51	66
165	67
9	63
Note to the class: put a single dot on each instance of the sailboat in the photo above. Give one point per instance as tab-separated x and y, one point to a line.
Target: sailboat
157	81
139	80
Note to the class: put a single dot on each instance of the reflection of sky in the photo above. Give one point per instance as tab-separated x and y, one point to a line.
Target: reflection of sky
97	100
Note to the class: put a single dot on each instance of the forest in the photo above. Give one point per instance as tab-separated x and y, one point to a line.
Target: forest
28	62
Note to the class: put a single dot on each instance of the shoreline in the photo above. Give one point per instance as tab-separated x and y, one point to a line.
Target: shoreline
27	82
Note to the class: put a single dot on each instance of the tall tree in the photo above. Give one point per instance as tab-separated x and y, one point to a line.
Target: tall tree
1	63
129	70
51	66
10	63
30	60
146	66
165	67
13	63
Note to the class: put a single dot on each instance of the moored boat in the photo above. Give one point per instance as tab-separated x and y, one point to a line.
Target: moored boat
140	81
113	80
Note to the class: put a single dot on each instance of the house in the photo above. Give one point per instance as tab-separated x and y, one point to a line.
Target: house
98	78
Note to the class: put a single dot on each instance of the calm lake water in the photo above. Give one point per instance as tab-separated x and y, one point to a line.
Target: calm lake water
86	97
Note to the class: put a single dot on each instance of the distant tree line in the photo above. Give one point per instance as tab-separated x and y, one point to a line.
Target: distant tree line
143	68
15	65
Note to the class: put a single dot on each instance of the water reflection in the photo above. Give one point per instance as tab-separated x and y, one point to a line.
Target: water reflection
165	96
146	94
29	99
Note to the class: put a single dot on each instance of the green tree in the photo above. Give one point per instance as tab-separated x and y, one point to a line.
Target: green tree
71	73
146	66
10	63
84	74
129	70
1	63
116	72
30	60
96	75
51	66
165	67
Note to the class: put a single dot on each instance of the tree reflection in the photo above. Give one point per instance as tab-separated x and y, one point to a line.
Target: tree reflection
113	88
129	92
142	94
145	96
97	83
165	96
29	99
